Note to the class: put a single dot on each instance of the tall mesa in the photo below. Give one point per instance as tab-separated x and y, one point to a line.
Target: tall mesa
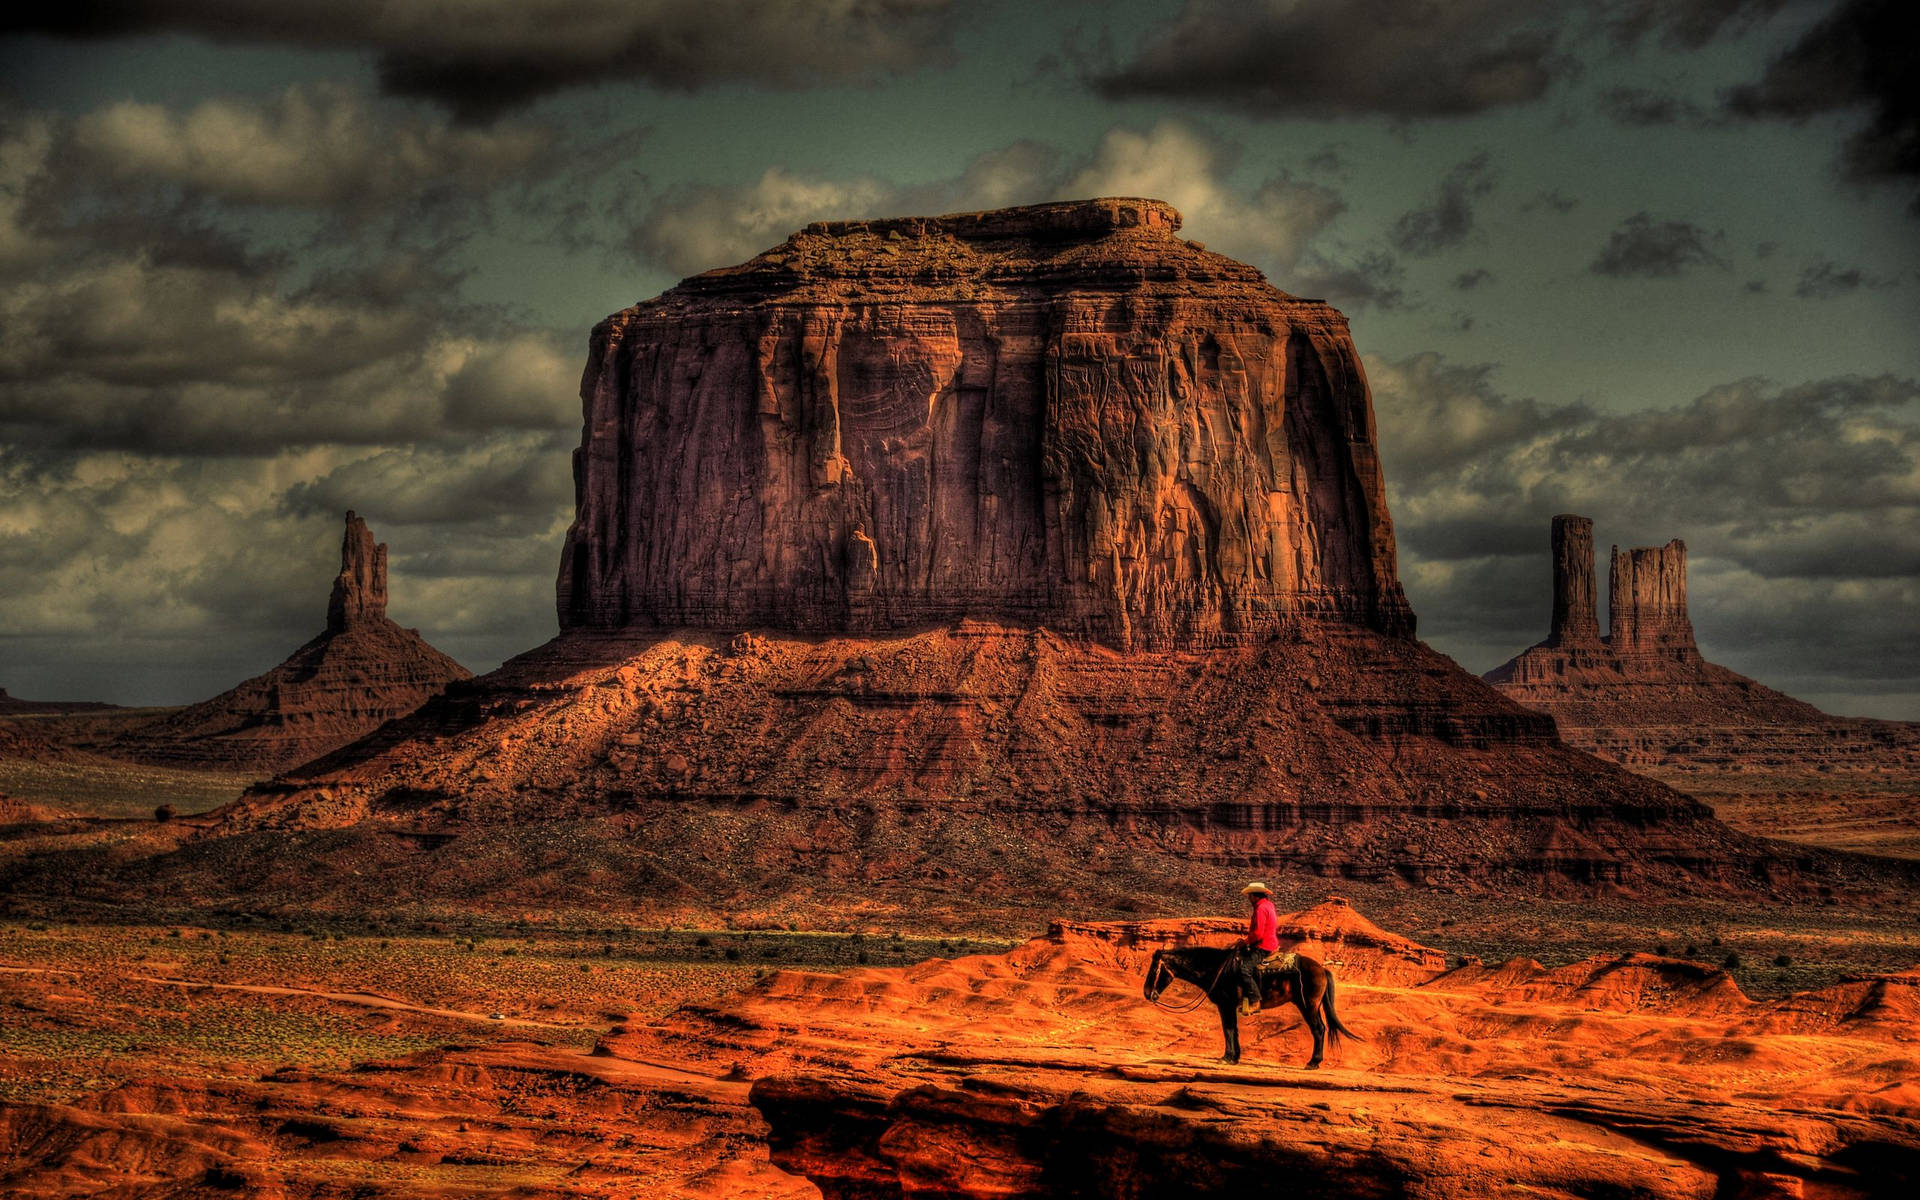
1062	415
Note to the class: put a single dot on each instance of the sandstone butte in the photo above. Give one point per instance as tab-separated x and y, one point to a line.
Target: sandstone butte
360	672
1017	555
1042	1072
1643	696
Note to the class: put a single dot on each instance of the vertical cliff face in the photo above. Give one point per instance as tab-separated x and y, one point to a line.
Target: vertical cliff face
1063	415
1647	601
360	590
1574	619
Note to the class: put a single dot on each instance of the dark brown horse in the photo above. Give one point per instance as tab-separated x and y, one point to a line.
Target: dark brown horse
1303	981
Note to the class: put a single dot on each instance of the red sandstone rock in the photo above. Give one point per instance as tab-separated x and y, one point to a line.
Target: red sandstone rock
1044	1072
1126	490
1061	415
1647	602
1574	618
1645	698
363	671
12	706
360	590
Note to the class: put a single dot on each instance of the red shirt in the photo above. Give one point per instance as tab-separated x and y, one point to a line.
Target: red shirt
1263	928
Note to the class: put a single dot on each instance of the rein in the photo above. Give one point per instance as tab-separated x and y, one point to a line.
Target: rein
1206	993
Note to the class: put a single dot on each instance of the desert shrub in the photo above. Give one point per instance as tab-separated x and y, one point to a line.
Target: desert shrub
163	813
1732	961
1782	960
733	954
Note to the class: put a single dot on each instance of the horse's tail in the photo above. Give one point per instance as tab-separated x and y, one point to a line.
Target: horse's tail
1334	1025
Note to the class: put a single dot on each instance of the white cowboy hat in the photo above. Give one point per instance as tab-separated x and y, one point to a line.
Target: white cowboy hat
1259	889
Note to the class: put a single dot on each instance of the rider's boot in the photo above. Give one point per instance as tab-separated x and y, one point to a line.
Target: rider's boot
1248	1004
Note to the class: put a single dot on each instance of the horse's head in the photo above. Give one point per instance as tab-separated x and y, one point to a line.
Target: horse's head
1158	977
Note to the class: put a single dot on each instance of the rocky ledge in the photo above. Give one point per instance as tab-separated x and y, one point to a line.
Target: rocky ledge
1044	1073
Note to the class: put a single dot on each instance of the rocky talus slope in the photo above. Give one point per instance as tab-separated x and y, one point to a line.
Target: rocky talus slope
1644	697
361	672
1012	546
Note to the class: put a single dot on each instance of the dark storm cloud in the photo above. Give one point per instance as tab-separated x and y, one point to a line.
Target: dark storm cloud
1685	24
1466	281
1644	107
1552	201
1399	58
482	482
485	57
1652	249
1860	58
1802	500
1825	280
1384	57
187	402
1447	218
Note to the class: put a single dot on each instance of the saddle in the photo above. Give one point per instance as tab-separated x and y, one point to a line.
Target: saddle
1280	963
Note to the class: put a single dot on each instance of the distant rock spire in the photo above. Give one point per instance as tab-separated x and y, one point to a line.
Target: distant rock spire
1647	609
1574	618
360	590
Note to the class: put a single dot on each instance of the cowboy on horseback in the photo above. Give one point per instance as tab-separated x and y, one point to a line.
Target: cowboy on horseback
1263	939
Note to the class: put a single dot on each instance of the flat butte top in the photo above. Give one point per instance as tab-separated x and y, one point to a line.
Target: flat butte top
1108	244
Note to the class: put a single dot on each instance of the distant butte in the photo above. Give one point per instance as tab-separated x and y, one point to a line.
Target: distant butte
1644	697
361	672
1013	549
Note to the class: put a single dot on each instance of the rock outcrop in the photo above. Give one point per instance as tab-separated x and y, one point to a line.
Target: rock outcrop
1061	415
361	672
1644	697
14	706
359	593
1044	1073
1575	619
1647	602
1123	493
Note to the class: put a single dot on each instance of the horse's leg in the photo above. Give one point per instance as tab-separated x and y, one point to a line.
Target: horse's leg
1310	1009
1230	1028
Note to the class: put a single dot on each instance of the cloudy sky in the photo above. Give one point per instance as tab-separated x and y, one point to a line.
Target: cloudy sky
1653	261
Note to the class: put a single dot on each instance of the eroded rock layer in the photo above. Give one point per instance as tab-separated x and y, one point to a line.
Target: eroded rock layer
1644	697
1062	415
363	671
1044	1073
1000	767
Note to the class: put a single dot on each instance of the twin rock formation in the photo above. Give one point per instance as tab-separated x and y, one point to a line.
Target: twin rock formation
1643	696
1646	610
1008	548
361	672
